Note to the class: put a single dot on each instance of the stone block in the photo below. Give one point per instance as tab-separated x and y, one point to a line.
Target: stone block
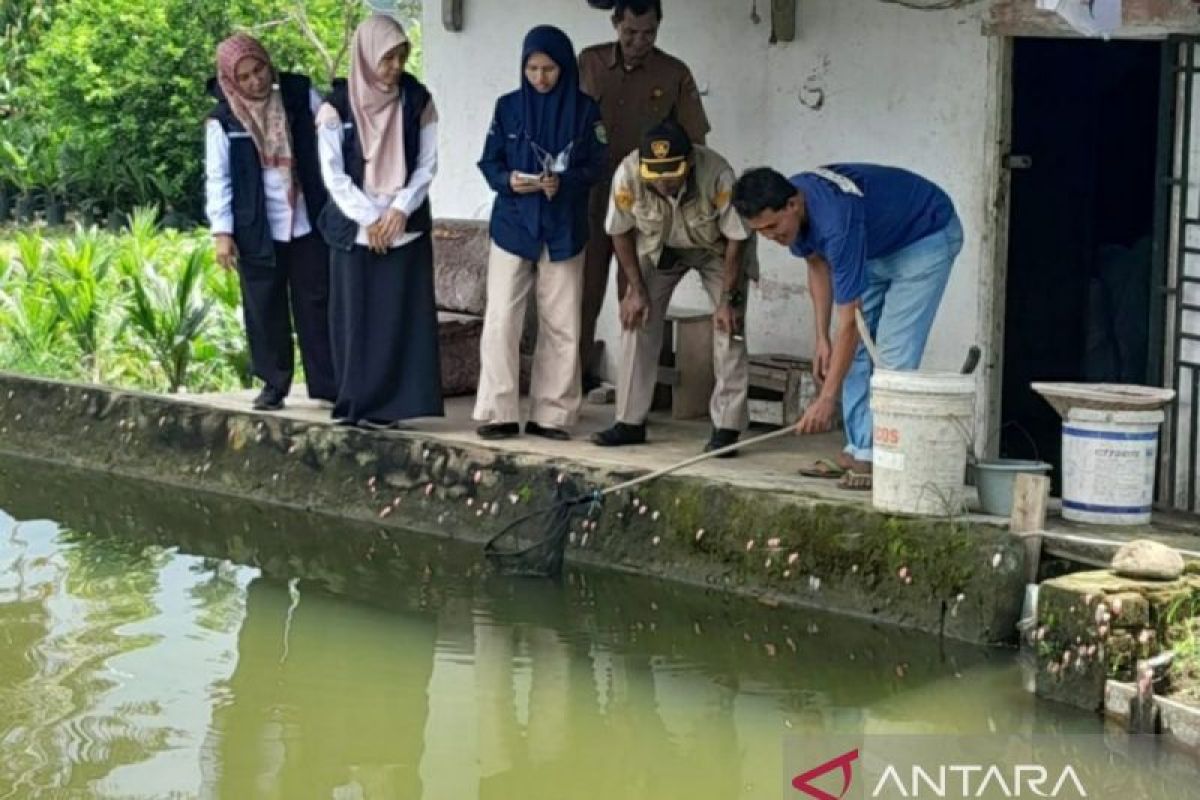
1147	559
1093	626
460	256
1066	677
458	338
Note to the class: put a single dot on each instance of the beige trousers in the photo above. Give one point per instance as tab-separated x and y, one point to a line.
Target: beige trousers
641	347
555	390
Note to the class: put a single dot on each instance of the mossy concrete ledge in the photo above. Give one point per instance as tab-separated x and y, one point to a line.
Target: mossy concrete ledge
948	577
1095	626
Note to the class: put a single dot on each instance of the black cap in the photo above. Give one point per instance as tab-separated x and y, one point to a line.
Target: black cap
664	152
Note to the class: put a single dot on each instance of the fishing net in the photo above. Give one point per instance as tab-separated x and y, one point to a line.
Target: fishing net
534	545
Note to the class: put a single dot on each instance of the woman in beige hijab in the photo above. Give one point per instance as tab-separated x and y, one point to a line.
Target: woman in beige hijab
377	135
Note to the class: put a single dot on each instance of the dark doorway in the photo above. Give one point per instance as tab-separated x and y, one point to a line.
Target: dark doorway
1078	299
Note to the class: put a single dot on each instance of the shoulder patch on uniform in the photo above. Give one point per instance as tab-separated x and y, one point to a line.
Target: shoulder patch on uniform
601	133
623	199
721	198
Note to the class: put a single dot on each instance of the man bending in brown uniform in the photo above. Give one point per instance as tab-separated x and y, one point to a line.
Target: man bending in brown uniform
637	86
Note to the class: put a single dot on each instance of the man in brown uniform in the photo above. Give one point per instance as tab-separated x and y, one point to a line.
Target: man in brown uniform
637	86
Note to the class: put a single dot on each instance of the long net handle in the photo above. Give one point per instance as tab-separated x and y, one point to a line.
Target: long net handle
766	437
864	333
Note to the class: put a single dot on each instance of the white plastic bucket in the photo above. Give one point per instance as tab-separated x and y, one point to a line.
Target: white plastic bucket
1109	459
923	427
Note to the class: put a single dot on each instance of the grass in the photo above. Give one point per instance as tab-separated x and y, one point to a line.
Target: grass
1183	628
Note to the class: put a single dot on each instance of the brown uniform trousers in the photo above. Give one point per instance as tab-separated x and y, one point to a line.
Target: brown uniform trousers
631	103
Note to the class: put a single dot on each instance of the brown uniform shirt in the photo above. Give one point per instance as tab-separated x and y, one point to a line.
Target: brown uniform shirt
634	101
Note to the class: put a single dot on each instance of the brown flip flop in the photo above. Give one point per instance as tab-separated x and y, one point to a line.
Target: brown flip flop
823	469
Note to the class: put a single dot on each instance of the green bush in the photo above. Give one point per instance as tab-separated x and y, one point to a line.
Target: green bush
22	23
113	91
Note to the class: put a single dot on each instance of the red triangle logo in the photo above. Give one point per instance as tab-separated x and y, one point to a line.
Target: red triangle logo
804	782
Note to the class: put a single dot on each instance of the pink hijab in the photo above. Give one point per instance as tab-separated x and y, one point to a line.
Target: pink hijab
264	118
377	112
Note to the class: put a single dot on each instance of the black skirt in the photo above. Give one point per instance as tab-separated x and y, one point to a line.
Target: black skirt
385	334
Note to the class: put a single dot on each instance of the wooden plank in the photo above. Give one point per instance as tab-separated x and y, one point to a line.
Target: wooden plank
1143	19
768	382
1031	495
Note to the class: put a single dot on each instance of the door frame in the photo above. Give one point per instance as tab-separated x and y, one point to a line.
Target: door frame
1177	484
994	286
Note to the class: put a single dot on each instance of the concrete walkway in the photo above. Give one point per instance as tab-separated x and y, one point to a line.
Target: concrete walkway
772	465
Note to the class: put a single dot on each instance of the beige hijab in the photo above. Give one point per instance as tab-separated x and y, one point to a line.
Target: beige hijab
377	112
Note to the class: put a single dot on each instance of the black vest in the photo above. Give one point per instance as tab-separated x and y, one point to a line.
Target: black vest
339	230
251	229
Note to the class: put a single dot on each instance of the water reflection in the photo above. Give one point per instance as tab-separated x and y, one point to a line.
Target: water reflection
343	663
105	668
327	700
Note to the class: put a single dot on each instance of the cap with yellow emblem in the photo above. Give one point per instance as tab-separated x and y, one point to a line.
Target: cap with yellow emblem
664	152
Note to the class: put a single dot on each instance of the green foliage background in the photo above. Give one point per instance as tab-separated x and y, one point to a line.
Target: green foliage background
145	308
105	100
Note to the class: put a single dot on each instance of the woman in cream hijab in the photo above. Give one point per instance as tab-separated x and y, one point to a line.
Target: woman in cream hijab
377	136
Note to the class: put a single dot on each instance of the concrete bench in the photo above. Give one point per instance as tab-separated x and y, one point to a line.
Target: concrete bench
685	372
460	255
460	259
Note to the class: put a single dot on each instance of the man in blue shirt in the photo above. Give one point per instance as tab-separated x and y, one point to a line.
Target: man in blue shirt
876	238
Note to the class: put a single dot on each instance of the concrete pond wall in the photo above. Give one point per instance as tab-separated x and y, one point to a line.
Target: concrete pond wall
944	576
1094	627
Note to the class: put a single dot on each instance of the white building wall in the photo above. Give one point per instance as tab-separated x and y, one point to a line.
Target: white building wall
864	81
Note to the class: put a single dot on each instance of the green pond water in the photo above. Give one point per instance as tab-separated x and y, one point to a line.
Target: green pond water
156	643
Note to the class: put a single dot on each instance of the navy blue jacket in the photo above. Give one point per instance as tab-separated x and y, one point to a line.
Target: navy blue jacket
565	218
250	229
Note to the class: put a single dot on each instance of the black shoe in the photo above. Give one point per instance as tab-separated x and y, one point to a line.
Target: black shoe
554	434
499	430
722	437
591	382
269	399
620	435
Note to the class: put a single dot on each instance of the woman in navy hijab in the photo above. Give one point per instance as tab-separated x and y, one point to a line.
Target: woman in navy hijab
545	149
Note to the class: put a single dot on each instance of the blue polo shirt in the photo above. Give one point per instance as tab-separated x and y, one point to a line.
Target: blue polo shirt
897	209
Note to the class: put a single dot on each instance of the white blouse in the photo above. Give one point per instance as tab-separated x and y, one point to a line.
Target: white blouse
218	186
364	207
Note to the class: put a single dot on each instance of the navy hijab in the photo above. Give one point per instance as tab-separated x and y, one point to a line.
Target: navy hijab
551	120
